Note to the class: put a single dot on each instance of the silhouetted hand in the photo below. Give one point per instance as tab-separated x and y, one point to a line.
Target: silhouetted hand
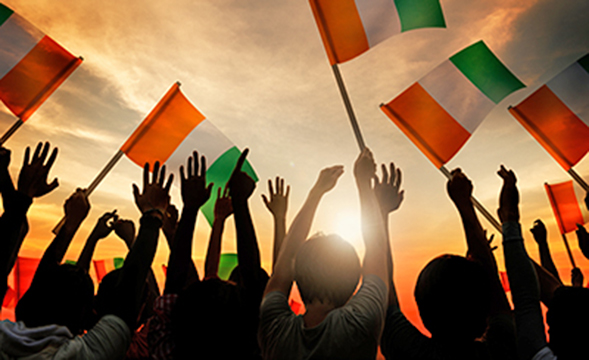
170	220
223	207
365	167
125	229
583	238
155	196
194	188
278	203
105	224
577	277
77	206
587	200
241	185
539	232
32	180
4	158
490	241
5	179
388	191
328	179
459	188
509	198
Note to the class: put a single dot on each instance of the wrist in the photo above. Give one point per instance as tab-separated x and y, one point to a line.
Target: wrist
154	212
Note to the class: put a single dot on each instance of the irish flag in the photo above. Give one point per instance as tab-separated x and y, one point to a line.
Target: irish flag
557	114
564	205
32	65
350	27
440	111
175	128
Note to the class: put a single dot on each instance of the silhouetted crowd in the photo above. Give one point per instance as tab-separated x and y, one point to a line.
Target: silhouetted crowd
351	306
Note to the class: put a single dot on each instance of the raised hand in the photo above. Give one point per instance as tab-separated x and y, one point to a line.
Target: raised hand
170	223
223	207
328	179
194	190
577	277
388	191
365	167
5	179
509	198
278	203
583	238
241	185
539	232
459	188
105	224
125	229
155	196
32	180
77	206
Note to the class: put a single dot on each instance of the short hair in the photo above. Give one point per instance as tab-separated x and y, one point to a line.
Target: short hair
327	269
568	321
63	296
453	296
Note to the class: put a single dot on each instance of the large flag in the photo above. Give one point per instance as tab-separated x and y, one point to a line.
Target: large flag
565	206
169	134
350	27
557	114
32	65
440	111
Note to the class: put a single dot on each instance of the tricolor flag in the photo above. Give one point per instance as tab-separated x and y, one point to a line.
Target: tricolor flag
227	262
32	65
557	114
169	134
440	111
350	27
565	206
103	267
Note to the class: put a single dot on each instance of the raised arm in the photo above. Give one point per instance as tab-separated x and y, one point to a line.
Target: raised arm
102	229
194	194
540	236
277	205
522	277
390	196
283	275
223	210
583	238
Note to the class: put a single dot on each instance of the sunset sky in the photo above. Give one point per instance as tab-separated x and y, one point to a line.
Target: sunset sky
257	69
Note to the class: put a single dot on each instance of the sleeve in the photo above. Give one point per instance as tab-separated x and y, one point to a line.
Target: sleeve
109	339
273	309
369	304
401	340
525	292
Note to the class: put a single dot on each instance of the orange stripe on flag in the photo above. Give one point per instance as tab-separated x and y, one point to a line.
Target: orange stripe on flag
100	268
435	132
554	126
565	206
166	126
341	29
26	86
24	271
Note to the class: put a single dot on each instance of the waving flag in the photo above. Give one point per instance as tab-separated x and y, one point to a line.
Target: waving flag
557	114
565	206
350	27
169	134
32	65
103	267
440	111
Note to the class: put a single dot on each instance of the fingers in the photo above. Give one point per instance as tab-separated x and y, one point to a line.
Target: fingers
182	176
195	160
145	175
37	151
265	199
52	158
219	193
287	191
203	167
27	156
169	183
385	173
162	176
240	162
54	184
135	192
155	173
270	188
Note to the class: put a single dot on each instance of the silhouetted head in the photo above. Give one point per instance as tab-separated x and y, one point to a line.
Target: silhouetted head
263	277
327	269
207	318
568	321
106	290
61	296
453	297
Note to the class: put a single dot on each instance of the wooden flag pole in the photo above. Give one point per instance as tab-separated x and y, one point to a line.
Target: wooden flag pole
578	179
486	214
348	104
566	245
11	131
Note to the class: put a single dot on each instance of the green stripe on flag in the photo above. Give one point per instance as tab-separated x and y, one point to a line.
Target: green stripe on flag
4	13
227	263
584	62
416	14
219	173
486	72
69	262
118	262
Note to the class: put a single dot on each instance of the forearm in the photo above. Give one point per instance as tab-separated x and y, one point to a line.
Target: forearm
373	231
214	249
55	253
478	246
546	259
88	252
279	234
181	252
13	227
248	253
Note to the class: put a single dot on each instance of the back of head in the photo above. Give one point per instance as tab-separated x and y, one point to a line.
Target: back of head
62	296
568	321
106	291
327	269
453	297
207	318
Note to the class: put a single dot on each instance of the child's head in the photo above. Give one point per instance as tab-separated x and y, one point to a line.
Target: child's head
568	321
327	269
453	297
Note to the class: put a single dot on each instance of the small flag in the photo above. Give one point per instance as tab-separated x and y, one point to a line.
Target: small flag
440	111
227	263
504	281
295	306
103	267
32	65
557	114
350	27
565	206
24	272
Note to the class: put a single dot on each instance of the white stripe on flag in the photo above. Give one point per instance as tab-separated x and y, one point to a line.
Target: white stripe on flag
17	38
572	87
379	18
457	95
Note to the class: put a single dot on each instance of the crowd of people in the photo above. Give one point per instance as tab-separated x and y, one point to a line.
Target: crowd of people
351	306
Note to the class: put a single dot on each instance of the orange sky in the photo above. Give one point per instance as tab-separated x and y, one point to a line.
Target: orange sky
258	71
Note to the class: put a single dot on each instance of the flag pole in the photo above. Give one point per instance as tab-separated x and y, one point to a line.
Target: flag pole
348	104
94	184
17	124
578	179
486	214
566	245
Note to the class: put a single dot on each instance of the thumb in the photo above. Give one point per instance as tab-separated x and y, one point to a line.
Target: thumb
135	191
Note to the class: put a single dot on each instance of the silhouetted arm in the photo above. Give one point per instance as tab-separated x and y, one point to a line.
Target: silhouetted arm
583	238
100	231
277	205
540	236
223	210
